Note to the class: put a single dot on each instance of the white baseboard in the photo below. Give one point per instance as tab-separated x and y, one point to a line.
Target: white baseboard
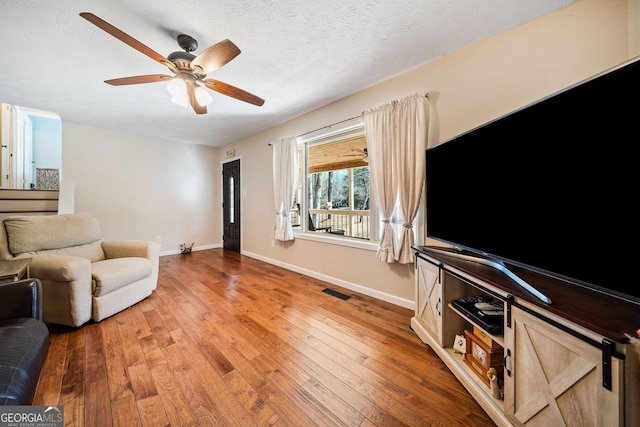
402	302
195	248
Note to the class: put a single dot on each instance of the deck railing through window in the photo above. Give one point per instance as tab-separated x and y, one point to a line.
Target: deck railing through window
354	223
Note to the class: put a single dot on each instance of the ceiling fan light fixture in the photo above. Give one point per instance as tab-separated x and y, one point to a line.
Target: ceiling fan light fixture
182	101
177	87
203	97
188	68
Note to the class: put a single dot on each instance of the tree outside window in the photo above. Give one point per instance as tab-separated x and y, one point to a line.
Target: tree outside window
337	189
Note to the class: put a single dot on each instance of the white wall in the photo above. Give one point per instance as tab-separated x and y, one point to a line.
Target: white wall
141	187
47	142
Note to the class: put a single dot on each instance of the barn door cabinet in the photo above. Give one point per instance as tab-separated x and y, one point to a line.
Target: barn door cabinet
569	363
429	299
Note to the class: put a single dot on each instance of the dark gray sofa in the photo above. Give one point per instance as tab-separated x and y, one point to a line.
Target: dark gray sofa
24	341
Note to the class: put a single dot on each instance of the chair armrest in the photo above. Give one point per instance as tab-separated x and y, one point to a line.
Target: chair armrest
60	268
131	248
21	299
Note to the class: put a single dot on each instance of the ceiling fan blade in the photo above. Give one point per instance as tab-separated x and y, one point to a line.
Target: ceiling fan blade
232	91
120	35
199	109
216	56
134	80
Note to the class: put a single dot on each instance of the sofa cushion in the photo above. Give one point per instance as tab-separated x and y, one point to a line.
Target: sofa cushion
111	274
92	251
25	343
33	234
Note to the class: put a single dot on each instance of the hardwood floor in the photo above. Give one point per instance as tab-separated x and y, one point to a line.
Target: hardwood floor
227	340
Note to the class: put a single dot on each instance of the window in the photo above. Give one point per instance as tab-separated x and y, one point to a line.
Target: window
333	196
334	188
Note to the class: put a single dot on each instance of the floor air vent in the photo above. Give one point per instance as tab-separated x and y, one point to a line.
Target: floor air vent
336	294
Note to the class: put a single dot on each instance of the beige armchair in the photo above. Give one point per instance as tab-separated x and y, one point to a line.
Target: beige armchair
83	277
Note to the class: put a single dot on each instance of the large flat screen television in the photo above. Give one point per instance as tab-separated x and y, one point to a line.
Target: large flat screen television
551	187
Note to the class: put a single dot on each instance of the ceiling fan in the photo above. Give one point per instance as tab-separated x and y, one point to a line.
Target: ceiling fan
364	155
189	70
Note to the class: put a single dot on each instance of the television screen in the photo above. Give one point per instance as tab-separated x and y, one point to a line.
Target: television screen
552	187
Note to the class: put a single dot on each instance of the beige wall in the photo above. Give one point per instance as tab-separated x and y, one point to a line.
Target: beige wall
467	88
141	187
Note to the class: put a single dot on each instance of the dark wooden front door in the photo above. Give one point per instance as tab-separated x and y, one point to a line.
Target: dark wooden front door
231	205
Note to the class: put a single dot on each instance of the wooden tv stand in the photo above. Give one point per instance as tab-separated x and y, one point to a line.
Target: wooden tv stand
570	362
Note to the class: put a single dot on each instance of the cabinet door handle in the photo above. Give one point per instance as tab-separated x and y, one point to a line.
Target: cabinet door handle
438	306
507	362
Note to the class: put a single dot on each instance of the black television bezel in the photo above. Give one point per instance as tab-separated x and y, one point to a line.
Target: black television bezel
509	260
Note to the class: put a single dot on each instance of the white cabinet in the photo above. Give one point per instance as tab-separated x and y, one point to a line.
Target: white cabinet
437	323
429	298
555	379
558	369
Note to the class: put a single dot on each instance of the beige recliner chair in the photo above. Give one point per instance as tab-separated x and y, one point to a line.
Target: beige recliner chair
83	277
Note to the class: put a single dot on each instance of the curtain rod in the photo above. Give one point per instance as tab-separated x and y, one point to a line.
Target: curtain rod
328	126
426	95
325	127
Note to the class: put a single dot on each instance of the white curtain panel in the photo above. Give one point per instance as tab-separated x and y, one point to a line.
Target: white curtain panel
413	130
285	181
397	135
379	130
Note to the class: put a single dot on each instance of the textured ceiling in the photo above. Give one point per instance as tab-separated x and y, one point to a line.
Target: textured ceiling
297	55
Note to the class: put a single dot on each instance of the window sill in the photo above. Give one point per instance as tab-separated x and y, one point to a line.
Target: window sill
340	241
